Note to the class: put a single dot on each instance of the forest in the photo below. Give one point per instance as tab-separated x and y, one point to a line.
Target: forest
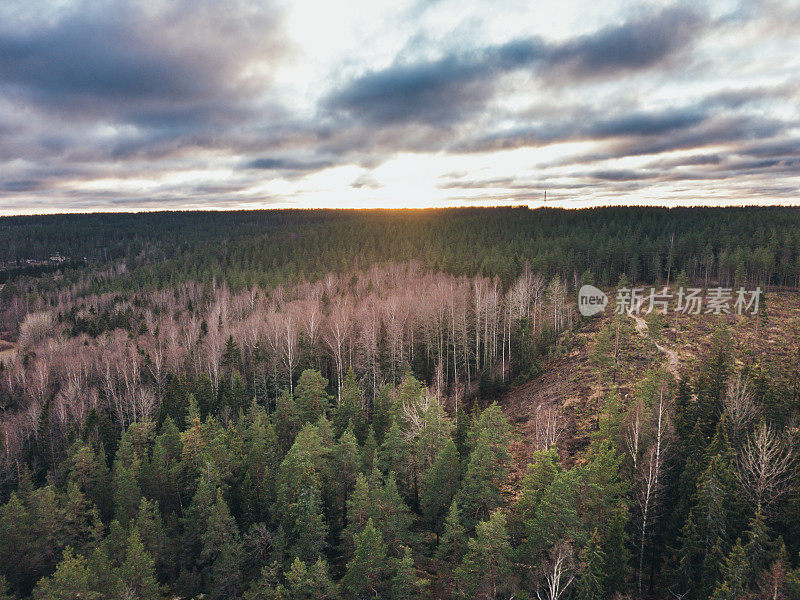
381	404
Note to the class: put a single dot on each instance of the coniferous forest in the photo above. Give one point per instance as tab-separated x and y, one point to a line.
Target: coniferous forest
397	405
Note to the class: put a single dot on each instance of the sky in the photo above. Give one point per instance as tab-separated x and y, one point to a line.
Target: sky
118	105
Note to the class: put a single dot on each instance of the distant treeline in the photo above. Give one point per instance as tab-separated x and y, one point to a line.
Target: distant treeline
730	246
38	269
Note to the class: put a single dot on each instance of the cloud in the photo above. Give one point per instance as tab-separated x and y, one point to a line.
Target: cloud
136	62
459	84
287	164
198	103
635	45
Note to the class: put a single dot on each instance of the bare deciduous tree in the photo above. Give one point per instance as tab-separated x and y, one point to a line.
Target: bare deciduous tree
548	426
557	572
634	430
764	467
35	328
651	468
740	409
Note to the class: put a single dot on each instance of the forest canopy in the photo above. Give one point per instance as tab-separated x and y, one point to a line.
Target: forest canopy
397	405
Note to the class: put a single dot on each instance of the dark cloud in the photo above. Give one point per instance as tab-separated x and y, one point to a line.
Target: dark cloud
141	91
638	44
139	63
449	89
287	164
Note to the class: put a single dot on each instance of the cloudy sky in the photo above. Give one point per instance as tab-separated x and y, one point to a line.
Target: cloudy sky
143	105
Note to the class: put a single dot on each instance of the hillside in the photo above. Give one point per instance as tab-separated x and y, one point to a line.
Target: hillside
447	425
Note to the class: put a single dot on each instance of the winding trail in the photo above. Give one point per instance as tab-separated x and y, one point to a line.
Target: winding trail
672	358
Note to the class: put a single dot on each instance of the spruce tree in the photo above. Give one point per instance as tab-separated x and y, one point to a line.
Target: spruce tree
137	572
312	399
480	491
485	571
286	419
221	550
310	583
366	575
591	582
405	584
299	502
359	510
368	452
72	579
390	512
266	586
127	493
349	411
440	484
453	541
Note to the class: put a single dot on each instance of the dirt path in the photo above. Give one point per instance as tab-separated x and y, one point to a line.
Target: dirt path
672	358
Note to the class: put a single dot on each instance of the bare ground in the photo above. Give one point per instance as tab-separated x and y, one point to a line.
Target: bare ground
571	380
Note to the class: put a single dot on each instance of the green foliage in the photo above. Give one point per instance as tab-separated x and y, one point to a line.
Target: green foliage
440	484
485	571
452	542
137	572
487	469
312	399
221	550
367	572
299	495
286	419
405	583
72	579
349	411
312	583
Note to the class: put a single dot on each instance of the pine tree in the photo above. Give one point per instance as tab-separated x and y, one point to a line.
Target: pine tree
127	492
349	411
394	454
390	512
137	572
452	542
405	583
312	583
480	490
221	551
266	586
261	462
366	575
485	571
440	484
359	510
72	579
299	496
287	420
591	582
382	412
346	465
150	528
368	452
231	357
164	477
312	399
736	575
88	469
